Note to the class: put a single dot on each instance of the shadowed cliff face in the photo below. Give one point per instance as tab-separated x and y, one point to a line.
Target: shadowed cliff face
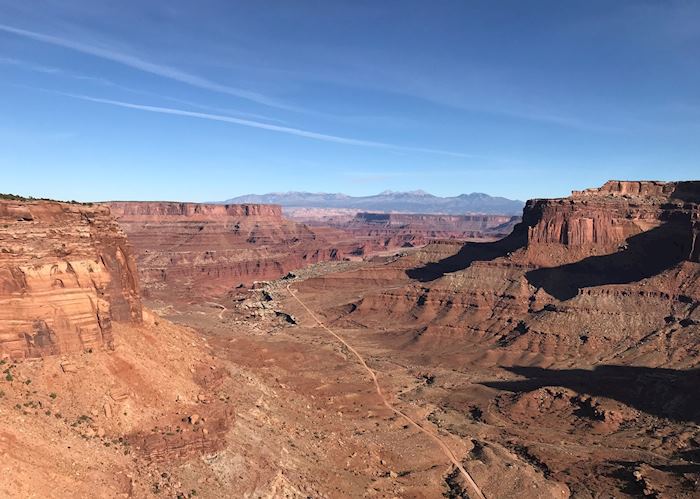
644	255
667	393
66	272
468	254
618	234
686	191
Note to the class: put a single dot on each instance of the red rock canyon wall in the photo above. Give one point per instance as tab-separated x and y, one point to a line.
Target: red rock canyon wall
66	272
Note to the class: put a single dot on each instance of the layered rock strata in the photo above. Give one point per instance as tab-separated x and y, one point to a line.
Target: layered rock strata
377	232
400	229
601	221
186	249
66	273
608	274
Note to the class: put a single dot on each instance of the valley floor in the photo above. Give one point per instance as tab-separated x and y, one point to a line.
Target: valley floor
309	421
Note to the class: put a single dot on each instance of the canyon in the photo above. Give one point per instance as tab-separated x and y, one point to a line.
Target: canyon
397	230
571	343
209	249
356	354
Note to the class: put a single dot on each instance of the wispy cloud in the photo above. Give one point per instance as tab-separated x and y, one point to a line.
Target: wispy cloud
267	126
15	134
397	83
10	61
148	67
228	111
51	70
553	119
473	88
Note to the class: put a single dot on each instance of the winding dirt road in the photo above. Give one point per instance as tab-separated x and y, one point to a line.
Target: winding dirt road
474	489
218	305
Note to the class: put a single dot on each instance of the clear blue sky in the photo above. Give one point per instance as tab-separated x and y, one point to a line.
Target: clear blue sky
210	99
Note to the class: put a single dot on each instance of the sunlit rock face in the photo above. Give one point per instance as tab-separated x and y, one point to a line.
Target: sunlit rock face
190	249
66	272
598	221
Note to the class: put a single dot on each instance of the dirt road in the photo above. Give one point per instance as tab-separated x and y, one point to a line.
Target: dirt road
474	489
218	305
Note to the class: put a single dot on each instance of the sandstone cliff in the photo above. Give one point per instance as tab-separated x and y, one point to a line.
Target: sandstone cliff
609	273
186	249
194	211
599	221
379	232
66	272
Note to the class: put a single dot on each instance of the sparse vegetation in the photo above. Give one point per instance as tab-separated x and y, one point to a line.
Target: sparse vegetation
82	419
181	495
34	404
16	197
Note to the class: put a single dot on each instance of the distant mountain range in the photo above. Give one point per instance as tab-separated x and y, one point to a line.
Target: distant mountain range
390	201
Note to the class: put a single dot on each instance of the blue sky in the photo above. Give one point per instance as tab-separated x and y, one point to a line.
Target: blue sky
211	99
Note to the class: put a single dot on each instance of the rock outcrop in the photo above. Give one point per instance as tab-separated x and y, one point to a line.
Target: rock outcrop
402	229
609	273
377	232
193	211
66	272
207	249
599	221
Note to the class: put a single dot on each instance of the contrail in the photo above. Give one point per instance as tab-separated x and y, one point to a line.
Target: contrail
264	126
148	67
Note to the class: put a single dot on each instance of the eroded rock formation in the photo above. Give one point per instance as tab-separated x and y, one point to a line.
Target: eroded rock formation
207	249
609	273
600	221
402	229
66	272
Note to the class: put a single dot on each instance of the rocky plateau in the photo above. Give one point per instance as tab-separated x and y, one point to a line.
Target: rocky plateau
208	249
